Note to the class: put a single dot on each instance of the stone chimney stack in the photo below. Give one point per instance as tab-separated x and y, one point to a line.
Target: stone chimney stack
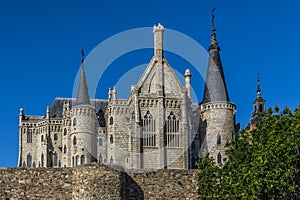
188	76
158	40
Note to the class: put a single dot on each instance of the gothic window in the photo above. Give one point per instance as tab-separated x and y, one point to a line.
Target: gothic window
42	138
55	159
111	120
219	158
55	137
218	139
29	136
82	159
29	160
100	158
149	137
172	130
74	140
65	131
77	161
111	139
100	142
65	149
42	159
74	122
111	160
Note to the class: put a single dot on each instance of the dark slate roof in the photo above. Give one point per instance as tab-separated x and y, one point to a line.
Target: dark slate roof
215	85
82	94
56	109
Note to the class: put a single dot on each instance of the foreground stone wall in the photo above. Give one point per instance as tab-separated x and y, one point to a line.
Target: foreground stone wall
96	181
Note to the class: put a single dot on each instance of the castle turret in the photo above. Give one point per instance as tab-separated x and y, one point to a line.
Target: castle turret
217	112
83	136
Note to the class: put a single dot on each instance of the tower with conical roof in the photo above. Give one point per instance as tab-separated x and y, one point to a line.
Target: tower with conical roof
82	140
217	112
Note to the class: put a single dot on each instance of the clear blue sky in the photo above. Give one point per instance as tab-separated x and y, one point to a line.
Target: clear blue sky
41	41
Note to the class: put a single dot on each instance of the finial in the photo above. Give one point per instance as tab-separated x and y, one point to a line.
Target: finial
82	54
213	19
258	90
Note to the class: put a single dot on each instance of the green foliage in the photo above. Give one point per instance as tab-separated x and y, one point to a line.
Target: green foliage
262	164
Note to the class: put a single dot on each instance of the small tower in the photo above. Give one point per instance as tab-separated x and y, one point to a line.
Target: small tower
158	40
83	135
217	123
188	76
258	104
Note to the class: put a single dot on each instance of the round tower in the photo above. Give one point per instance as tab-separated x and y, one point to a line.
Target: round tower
83	135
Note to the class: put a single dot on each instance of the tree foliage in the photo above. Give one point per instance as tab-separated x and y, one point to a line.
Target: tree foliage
263	163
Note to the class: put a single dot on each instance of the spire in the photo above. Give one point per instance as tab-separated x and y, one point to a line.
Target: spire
258	90
215	85
82	94
258	104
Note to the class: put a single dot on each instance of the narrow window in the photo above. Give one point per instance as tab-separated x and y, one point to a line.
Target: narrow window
111	120
218	139
29	136
55	159
82	159
29	160
55	137
149	136
111	160
33	164
260	107
74	140
65	149
219	158
77	160
74	122
172	130
24	164
42	159
100	158
111	139
42	138
65	131
72	161
100	142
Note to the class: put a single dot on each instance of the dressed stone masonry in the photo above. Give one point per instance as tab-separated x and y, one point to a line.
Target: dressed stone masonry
156	127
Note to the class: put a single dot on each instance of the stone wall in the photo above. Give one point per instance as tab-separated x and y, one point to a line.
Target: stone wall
96	181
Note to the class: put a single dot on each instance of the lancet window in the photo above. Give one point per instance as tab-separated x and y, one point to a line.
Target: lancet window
172	131
149	135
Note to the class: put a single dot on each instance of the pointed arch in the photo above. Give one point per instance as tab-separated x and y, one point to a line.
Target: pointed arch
82	160
55	137
111	120
172	130
219	139
29	160
149	135
219	158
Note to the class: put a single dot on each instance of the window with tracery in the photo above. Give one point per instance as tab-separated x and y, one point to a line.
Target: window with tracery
172	130
149	135
29	136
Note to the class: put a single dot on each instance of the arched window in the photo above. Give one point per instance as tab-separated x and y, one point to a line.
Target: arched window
29	136
219	158
100	158
77	161
55	137
42	138
111	139
172	130
42	159
65	131
149	136
65	149
82	159
74	140
100	142
111	120
29	160
55	159
218	139
74	122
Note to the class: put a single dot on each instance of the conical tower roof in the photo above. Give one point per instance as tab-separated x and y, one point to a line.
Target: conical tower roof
82	94
215	85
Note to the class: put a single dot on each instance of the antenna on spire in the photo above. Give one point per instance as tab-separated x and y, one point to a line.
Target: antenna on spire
258	90
82	54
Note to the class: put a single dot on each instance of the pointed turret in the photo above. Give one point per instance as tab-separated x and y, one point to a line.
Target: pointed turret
82	94
258	104
215	85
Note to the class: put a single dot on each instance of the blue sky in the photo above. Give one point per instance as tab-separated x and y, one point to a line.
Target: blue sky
41	42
